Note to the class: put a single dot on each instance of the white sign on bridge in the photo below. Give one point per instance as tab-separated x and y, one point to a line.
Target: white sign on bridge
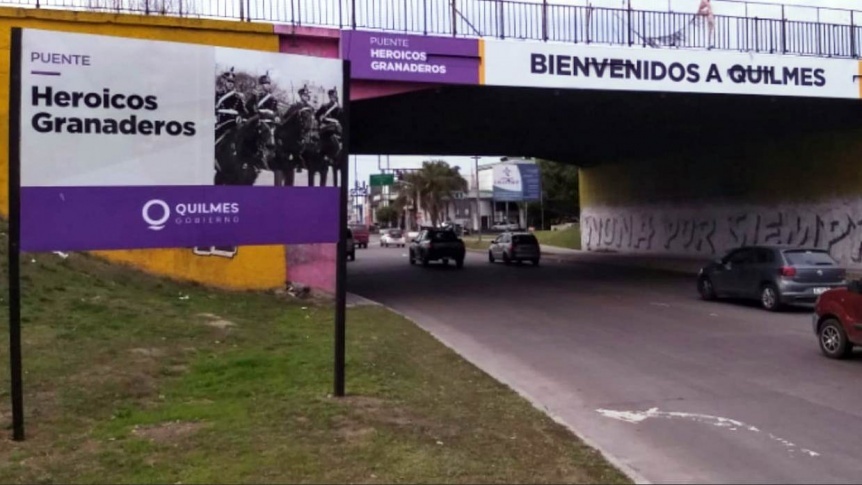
573	66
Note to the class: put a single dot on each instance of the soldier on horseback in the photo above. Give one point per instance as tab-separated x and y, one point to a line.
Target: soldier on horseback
330	112
230	108
264	102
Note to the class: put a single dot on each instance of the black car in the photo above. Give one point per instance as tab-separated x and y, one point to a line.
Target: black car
774	275
434	244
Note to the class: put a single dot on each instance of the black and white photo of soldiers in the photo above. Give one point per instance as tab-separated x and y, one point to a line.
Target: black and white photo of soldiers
273	127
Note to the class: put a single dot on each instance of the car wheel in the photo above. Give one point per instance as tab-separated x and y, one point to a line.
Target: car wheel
833	340
412	259
770	298
490	257
425	261
506	259
535	262
706	289
459	263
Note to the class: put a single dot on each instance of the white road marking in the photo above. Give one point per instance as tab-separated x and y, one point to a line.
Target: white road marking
731	424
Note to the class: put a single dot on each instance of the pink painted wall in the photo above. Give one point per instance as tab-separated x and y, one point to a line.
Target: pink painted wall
314	264
323	42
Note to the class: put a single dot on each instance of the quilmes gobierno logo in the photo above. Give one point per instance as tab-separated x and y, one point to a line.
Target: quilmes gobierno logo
156	213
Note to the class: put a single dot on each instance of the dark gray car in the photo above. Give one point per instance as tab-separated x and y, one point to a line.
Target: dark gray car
774	275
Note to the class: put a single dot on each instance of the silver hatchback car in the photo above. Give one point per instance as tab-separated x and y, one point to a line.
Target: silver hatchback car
773	275
515	247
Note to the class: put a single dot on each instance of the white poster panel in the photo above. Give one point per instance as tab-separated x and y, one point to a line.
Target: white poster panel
574	66
112	111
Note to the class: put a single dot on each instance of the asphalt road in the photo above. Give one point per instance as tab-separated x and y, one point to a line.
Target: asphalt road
671	388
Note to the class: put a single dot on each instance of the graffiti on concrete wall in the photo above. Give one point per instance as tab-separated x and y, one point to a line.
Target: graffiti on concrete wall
709	231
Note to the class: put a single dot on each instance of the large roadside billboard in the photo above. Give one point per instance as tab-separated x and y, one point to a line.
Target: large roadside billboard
517	182
140	144
119	143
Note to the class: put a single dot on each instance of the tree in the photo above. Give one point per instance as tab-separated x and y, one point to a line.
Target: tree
388	215
560	189
431	184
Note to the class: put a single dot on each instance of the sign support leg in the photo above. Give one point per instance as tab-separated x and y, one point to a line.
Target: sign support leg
15	238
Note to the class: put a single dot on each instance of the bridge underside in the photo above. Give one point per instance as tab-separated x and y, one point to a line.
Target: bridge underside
583	127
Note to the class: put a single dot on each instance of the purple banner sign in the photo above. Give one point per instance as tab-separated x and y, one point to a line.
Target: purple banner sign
411	58
90	218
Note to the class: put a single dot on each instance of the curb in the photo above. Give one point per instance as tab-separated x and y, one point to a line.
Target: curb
623	467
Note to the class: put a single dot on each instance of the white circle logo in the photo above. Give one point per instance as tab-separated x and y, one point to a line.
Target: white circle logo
156	224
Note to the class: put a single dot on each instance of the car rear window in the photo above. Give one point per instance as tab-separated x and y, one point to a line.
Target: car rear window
444	236
395	233
809	258
524	239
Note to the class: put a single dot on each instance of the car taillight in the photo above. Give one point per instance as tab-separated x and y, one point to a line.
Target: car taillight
788	271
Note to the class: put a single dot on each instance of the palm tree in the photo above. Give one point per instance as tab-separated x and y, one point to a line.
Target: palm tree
435	182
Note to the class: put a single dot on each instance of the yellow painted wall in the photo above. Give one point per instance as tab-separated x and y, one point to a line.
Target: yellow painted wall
807	169
259	267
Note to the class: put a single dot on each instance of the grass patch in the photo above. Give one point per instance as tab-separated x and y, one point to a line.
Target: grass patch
132	378
568	238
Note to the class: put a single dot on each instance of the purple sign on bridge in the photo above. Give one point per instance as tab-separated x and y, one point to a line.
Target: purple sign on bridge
87	218
411	58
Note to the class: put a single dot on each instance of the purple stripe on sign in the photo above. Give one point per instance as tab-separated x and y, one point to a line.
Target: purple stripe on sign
411	58
94	218
45	73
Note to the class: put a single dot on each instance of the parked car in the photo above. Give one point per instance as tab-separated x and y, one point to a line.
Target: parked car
350	246
361	233
393	237
434	244
774	275
837	320
515	246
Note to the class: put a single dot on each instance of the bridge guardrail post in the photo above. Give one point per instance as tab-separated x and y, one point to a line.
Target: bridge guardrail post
629	16
545	20
425	17
241	10
783	31
454	19
853	50
353	14
501	23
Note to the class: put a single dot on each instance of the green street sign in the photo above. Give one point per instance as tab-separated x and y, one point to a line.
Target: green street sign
381	179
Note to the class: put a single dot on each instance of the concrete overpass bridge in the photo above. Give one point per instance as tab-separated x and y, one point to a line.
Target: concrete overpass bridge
694	133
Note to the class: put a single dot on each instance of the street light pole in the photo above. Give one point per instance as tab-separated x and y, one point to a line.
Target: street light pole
478	199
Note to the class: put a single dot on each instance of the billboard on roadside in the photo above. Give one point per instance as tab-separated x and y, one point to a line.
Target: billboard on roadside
517	182
128	143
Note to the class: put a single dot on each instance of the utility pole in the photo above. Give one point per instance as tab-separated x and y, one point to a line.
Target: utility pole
478	199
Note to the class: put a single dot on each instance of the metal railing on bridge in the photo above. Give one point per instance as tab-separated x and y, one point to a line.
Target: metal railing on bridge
740	26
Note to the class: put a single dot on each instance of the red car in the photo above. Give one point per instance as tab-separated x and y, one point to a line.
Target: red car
837	320
361	233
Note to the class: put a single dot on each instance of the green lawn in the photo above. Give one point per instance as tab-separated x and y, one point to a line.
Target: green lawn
569	238
134	379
